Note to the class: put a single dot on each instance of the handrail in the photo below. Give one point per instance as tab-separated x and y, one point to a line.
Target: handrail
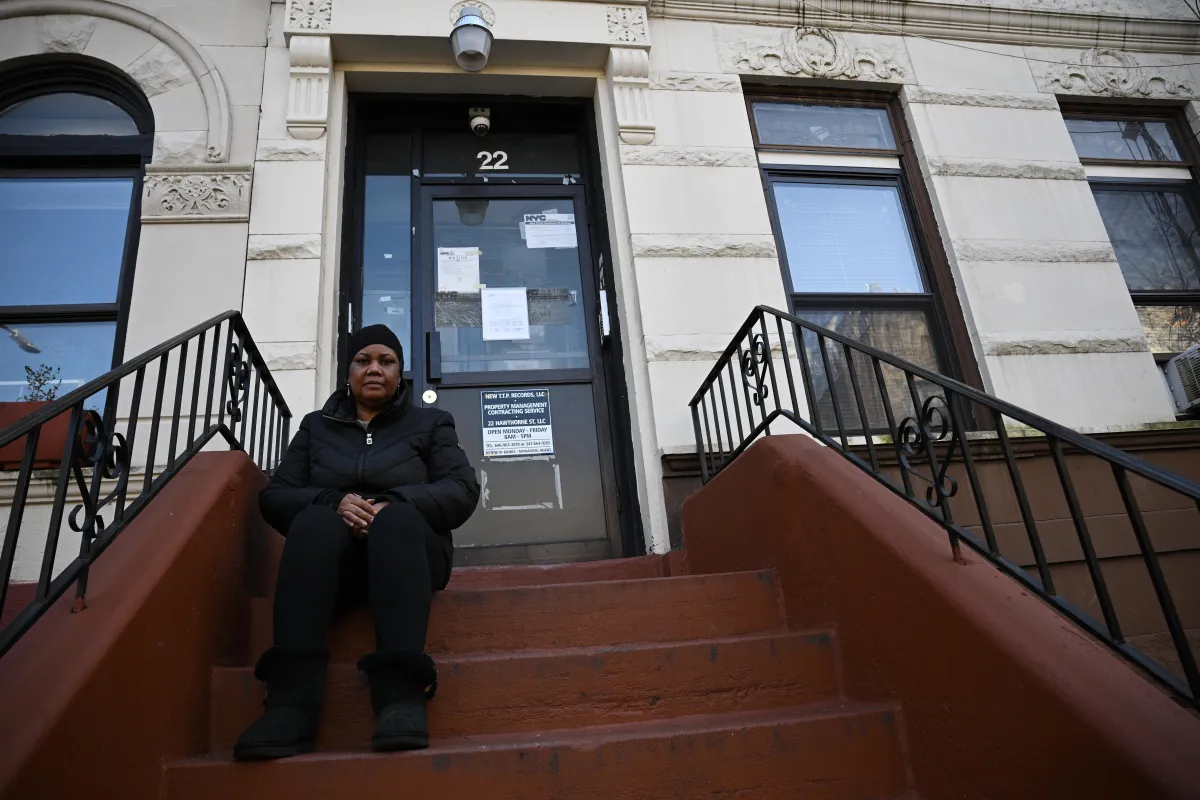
850	398
250	415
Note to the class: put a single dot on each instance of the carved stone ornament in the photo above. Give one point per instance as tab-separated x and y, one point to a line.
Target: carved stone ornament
198	194
629	81
308	94
1107	71
627	25
310	15
485	11
815	52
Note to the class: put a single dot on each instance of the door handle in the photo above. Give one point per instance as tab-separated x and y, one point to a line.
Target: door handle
433	355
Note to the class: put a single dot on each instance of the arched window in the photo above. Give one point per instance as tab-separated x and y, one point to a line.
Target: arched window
75	136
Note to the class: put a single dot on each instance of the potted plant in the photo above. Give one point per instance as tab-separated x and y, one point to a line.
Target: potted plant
41	387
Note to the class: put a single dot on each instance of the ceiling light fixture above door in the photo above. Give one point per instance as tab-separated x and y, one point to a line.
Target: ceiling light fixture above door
471	39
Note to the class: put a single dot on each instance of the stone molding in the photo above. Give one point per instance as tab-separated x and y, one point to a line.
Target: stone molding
309	15
1029	251
979	98
281	246
954	20
1006	168
689	156
63	33
69	31
627	25
1062	347
813	53
628	74
696	82
703	245
706	347
1108	72
290	150
489	16
308	93
196	194
178	148
284	356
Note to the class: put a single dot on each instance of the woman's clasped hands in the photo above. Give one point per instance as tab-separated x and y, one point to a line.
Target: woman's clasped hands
359	513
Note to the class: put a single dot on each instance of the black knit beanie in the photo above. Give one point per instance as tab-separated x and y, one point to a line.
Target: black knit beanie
376	334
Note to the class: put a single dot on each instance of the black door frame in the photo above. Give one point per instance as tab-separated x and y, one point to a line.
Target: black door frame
419	115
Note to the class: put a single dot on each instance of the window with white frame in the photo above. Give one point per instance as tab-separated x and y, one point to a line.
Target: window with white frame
1141	174
850	244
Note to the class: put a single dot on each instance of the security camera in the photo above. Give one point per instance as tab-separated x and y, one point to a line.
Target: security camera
481	120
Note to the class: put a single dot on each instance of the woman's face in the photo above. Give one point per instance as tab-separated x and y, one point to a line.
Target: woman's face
374	375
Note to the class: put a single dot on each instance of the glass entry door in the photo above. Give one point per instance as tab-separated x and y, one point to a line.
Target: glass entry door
507	317
477	252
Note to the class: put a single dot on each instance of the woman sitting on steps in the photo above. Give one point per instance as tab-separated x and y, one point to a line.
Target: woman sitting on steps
367	495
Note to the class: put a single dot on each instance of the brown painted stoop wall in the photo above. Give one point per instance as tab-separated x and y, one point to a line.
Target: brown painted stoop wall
92	703
618	680
1001	697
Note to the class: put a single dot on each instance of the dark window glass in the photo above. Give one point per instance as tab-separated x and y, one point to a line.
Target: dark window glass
387	236
68	114
62	240
823	126
1155	234
1131	139
77	351
842	237
499	156
904	333
387	256
508	258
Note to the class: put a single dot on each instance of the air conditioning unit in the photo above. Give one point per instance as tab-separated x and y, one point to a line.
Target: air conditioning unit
1183	376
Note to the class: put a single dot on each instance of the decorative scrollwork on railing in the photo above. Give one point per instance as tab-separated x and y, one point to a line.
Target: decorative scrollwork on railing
237	378
754	368
917	437
109	457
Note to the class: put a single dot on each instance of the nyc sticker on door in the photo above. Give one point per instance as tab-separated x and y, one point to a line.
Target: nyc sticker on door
550	230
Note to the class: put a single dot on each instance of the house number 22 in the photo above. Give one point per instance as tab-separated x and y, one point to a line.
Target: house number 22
499	157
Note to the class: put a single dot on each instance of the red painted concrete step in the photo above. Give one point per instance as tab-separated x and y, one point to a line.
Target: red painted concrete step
570	615
551	689
612	569
842	752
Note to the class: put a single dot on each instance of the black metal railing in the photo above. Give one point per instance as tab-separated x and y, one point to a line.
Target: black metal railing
210	383
921	434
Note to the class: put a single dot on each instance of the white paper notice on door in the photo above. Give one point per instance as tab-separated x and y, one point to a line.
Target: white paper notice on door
458	269
505	314
550	230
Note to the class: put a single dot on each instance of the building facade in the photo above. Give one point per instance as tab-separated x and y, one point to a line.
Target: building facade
567	239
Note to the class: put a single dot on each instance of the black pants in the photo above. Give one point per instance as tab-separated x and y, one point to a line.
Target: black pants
397	566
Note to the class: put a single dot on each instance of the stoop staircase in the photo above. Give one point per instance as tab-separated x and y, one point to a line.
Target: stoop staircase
602	680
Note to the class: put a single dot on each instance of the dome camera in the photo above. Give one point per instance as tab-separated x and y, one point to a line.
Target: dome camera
481	121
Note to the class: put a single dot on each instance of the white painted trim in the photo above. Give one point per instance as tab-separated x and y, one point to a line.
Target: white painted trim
647	462
216	98
330	306
792	158
1142	173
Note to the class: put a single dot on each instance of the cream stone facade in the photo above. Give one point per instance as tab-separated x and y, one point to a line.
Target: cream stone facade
244	199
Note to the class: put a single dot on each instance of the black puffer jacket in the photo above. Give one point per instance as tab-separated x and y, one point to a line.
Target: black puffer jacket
406	455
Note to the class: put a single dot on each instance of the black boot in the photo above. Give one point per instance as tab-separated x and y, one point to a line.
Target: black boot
295	688
401	684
